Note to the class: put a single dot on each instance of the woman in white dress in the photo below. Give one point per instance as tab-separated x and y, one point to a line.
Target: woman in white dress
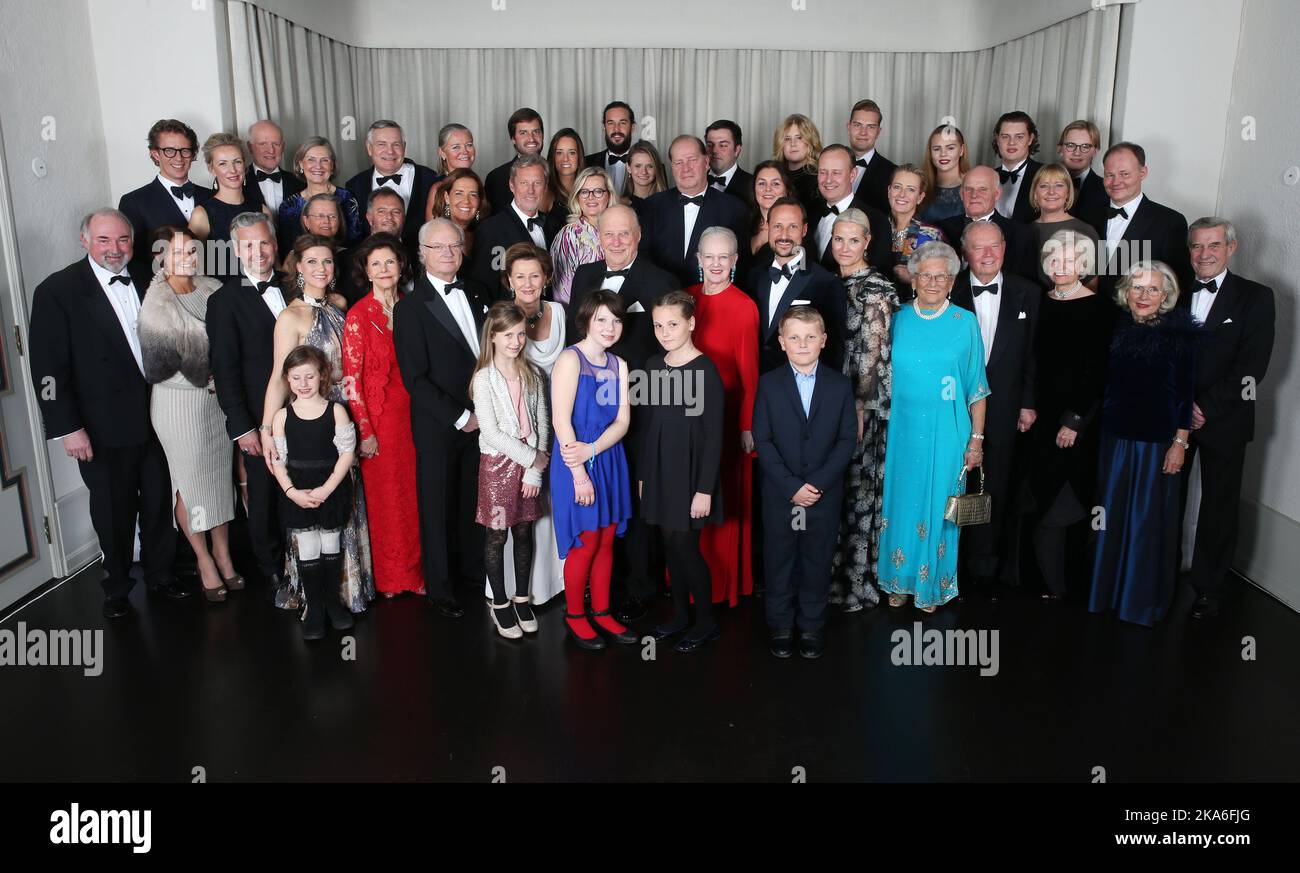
526	274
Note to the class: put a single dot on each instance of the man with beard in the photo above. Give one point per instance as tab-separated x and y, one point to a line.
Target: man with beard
619	123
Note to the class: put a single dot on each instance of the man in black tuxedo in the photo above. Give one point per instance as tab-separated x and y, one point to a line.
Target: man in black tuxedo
674	219
639	283
267	182
1015	139
521	220
390	167
436	331
619	123
835	174
875	171
89	378
386	213
722	139
1135	227
979	194
241	323
170	197
1006	307
1079	143
1238	316
524	128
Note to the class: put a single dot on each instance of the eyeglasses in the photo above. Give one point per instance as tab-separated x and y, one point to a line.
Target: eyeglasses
443	248
1140	291
589	193
1077	146
172	152
933	278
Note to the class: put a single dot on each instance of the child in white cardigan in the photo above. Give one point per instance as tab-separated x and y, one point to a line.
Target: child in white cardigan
509	396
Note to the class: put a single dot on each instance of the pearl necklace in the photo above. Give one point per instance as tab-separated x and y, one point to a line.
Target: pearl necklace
938	312
1058	295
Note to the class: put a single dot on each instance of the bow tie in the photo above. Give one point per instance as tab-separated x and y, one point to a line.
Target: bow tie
610	274
717	180
697	199
396	179
262	286
1210	286
454	283
180	192
977	290
125	280
611	158
860	162
833	209
259	176
1114	211
778	272
1009	175
535	221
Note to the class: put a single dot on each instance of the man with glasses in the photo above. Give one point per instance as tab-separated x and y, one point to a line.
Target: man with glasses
1077	146
170	198
391	168
520	221
875	171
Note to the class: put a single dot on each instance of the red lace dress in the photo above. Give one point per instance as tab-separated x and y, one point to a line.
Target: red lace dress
381	408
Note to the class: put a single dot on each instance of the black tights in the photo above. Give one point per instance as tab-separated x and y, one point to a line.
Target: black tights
690	578
494	559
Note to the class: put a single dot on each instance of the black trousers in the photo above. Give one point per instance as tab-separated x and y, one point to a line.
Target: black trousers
984	547
126	484
639	560
1219	517
263	519
447	492
797	551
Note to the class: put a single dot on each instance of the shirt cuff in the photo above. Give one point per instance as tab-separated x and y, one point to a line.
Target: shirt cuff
464	417
244	434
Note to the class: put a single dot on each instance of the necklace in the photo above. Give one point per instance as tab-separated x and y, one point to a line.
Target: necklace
534	319
386	306
1067	294
938	312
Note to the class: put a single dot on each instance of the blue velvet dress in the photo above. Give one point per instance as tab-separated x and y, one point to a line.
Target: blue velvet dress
1149	393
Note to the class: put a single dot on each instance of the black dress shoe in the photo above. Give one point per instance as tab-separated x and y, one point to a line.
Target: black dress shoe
631	610
171	589
661	632
116	607
593	644
782	643
447	608
691	642
1205	607
811	645
627	638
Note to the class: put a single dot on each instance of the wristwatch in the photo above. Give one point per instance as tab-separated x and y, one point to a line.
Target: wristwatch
1182	442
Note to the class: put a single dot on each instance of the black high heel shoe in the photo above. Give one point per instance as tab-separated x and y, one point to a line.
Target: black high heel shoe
595	644
627	638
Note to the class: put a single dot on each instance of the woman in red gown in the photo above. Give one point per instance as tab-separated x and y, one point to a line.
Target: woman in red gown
381	409
726	329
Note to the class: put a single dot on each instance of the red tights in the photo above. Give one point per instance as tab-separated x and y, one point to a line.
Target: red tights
592	561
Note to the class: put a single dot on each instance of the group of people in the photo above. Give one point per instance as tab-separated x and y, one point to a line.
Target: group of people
563	373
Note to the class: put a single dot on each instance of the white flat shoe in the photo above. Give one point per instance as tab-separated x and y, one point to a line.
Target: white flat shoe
527	620
512	632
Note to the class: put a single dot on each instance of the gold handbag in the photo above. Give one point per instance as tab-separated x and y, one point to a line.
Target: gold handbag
964	509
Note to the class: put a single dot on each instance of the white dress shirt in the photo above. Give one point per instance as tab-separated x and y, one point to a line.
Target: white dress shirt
272	191
779	286
986	311
458	303
828	221
615	283
537	232
862	171
407	172
185	204
617	172
1007	199
273	296
727	176
1203	300
690	212
125	301
1116	226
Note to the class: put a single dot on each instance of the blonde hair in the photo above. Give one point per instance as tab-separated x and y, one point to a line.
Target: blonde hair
574	204
219	139
1047	172
810	135
501	317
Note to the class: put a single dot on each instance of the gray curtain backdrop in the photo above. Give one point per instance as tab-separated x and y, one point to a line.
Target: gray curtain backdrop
313	85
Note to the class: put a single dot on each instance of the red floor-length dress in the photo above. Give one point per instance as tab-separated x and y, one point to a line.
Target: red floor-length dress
381	408
726	329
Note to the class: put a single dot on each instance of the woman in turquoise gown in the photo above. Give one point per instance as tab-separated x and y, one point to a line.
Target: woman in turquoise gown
935	429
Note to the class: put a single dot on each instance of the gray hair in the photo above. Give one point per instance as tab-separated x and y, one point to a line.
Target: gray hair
383	124
1212	221
524	161
1167	274
1085	251
574	202
620	209
857	217
980	224
931	251
725	232
428	226
308	144
250	219
106	212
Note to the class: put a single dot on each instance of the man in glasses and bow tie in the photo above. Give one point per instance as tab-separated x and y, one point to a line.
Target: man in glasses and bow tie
170	198
1015	139
520	221
1135	227
269	183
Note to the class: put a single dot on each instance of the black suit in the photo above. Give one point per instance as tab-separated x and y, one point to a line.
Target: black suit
741	186
794	449
289	186
1010	372
241	345
362	184
599	159
1021	211
873	188
823	291
880	251
496	187
1090	199
1021	257
1236	345
1163	228
437	365
664	226
150	207
86	377
495	235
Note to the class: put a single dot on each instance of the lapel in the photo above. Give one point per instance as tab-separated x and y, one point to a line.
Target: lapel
521	229
676	234
437	306
250	293
1140	224
1225	302
792	392
102	312
168	204
796	284
1008	313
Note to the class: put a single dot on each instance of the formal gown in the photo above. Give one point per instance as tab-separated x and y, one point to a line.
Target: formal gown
381	408
1149	393
290	218
595	407
938	372
943	203
223	263
577	244
726	329
911	238
872	302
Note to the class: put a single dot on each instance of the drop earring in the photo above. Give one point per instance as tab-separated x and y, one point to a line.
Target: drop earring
701	272
733	274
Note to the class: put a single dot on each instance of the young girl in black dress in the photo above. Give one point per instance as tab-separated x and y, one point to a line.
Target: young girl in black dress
680	459
316	441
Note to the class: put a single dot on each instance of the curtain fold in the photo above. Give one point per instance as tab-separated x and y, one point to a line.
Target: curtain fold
313	85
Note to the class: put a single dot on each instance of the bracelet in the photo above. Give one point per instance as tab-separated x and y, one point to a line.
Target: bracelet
290	488
265	427
1182	442
976	436
591	462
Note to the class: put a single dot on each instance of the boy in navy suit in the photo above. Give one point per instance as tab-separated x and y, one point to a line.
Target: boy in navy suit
805	426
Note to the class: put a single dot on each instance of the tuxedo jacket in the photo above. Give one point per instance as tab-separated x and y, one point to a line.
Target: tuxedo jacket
1090	200
663	227
435	361
1021	211
362	184
812	285
873	189
496	187
1021	257
150	207
289	186
1011	362
241	346
498	232
644	284
1165	229
880	251
741	186
796	448
1236	344
83	370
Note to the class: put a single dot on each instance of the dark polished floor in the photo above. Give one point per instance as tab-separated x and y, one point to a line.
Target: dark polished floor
232	688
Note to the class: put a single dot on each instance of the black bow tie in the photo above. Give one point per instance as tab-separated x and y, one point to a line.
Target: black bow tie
861	162
535	221
180	192
833	209
1009	175
778	272
125	280
454	283
1210	286
1114	211
259	176
396	179
262	286
610	274
611	158
977	290
697	199
717	180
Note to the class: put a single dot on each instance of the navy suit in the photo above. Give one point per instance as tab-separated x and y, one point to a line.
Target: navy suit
497	233
795	449
811	283
663	227
150	207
